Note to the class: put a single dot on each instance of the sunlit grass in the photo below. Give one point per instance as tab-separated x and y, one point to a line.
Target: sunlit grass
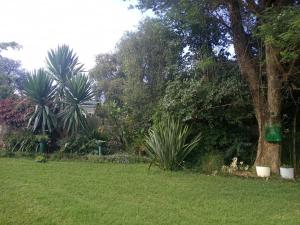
89	193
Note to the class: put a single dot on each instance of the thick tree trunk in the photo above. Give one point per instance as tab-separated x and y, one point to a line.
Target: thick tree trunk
271	154
294	138
268	154
266	110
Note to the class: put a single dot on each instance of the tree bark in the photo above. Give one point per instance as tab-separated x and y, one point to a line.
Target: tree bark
266	110
294	138
273	150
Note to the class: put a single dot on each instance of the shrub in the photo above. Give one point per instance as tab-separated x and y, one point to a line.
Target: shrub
218	107
15	111
20	142
211	163
83	144
167	143
79	145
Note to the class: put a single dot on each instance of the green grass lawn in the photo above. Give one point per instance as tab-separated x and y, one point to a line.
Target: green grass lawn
89	193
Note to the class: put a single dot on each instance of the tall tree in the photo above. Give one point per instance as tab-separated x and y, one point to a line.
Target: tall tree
110	77
149	55
12	75
260	60
135	75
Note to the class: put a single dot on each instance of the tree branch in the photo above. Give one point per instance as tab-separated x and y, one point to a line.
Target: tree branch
253	6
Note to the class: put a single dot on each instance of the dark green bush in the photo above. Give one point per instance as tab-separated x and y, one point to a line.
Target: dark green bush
211	163
78	145
20	142
220	109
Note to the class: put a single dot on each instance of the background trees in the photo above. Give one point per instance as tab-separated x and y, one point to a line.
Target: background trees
11	73
151	74
134	77
261	60
217	66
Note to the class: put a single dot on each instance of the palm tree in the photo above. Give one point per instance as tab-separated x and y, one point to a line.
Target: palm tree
39	88
78	90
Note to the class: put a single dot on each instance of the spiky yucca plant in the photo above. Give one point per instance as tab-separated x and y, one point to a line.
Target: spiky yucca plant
39	88
62	64
78	90
167	144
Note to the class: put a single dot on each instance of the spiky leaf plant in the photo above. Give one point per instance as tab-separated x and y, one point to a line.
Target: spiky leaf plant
39	88
78	90
167	143
63	64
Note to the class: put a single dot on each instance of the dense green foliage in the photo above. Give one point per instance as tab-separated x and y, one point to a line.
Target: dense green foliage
218	108
132	80
21	142
90	193
282	29
265	37
210	163
11	73
178	63
82	144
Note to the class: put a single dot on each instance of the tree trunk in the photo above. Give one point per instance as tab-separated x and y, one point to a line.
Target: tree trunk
294	138
266	110
272	151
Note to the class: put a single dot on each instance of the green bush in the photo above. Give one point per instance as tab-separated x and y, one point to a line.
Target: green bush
20	142
219	108
80	145
167	143
211	163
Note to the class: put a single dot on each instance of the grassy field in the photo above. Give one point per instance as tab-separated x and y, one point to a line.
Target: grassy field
89	193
